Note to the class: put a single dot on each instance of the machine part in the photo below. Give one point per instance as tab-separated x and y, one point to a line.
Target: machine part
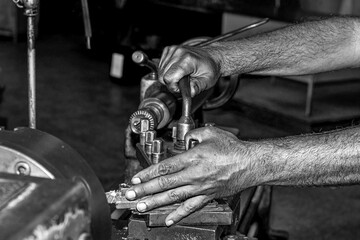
185	123
209	124
173	134
138	230
157	151
142	138
213	213
136	118
192	143
49	157
22	168
144	125
31	11
43	209
87	22
142	59
246	221
226	95
148	148
158	111
150	136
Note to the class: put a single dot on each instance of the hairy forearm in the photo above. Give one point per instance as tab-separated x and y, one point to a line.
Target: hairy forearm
305	48
331	158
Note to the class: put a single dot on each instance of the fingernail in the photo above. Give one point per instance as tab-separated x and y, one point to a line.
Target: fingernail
141	207
169	223
135	181
130	194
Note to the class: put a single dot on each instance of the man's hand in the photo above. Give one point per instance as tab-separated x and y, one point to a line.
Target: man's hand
219	166
180	61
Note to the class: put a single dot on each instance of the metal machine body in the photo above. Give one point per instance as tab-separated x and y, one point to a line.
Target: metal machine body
32	153
38	209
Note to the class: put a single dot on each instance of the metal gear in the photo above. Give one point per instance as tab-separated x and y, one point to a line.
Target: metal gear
137	116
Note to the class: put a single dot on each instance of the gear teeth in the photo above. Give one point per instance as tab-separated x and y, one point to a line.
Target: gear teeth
138	115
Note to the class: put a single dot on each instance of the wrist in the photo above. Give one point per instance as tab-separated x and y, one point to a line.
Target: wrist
214	52
266	162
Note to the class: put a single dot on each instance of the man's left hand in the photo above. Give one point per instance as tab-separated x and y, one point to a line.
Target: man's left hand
219	166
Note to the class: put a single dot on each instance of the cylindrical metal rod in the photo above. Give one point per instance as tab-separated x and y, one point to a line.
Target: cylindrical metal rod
31	70
184	85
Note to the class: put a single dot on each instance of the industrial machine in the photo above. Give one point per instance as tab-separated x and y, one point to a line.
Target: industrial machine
159	127
47	190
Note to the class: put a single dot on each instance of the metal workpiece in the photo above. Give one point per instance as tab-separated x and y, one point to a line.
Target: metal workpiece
142	59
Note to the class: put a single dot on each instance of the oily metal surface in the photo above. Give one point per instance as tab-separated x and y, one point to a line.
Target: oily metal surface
55	159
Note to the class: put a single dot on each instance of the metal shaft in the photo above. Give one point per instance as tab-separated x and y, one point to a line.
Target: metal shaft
31	70
184	85
87	22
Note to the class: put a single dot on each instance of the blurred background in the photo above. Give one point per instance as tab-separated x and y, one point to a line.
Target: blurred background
85	96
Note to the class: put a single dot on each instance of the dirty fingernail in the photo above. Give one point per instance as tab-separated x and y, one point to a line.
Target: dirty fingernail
130	194
141	207
169	223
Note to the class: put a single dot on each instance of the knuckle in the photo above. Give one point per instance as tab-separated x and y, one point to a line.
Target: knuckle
166	182
189	207
153	202
164	169
178	197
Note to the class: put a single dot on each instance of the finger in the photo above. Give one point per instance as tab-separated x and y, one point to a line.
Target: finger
176	71
168	166
164	62
156	185
165	198
199	134
194	87
186	208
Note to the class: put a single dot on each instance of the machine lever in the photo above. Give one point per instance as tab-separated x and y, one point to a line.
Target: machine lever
142	59
184	86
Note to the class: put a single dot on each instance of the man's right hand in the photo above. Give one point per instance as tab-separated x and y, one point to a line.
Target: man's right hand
179	61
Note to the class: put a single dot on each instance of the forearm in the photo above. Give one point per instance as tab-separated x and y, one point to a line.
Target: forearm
331	158
305	48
